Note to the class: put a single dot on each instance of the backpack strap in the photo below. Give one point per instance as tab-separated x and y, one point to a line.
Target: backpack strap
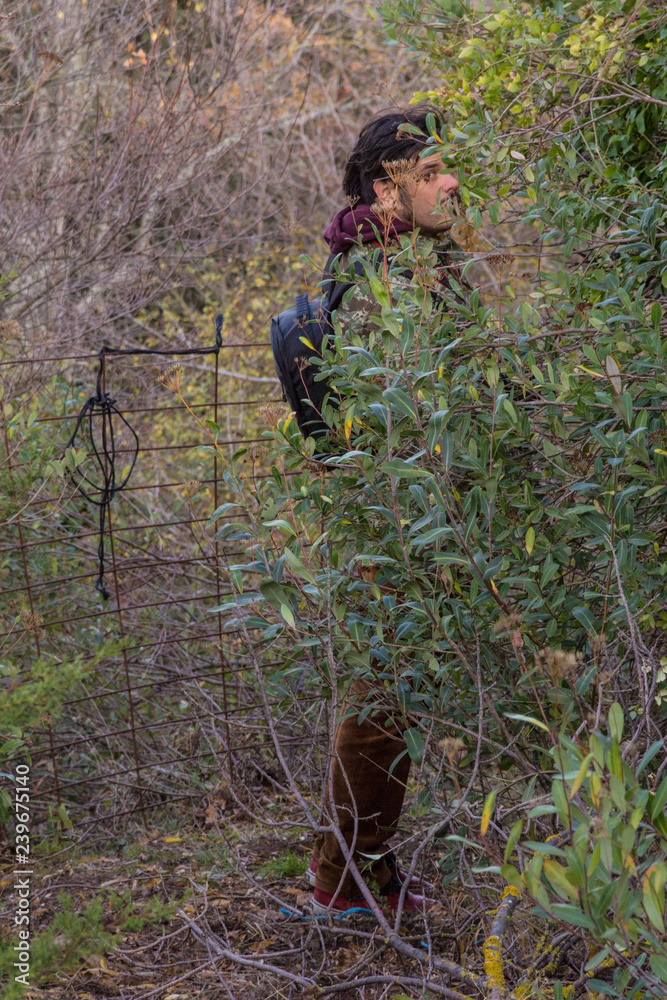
302	308
333	291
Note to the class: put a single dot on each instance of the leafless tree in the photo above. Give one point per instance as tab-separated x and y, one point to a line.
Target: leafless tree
143	142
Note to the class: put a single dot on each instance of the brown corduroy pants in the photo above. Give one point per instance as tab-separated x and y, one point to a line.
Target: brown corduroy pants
367	800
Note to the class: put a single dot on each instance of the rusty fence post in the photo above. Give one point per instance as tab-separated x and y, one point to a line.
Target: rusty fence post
119	613
223	665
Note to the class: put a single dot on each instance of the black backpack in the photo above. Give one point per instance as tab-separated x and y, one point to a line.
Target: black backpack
308	321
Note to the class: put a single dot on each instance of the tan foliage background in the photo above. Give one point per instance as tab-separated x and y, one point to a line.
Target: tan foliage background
153	151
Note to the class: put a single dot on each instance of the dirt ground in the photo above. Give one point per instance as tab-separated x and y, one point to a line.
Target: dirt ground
198	906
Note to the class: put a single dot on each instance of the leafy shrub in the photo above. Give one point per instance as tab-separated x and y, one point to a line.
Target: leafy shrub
603	876
486	534
489	545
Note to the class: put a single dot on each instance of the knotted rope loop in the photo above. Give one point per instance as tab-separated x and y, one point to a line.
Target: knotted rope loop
97	416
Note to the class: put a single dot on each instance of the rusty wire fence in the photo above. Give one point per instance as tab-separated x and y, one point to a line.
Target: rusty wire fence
169	709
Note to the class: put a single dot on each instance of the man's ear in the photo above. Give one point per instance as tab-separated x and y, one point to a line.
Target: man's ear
385	192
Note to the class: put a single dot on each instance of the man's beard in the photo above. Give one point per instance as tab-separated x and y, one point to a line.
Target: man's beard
439	230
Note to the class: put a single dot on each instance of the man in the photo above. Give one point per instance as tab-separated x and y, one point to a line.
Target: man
388	187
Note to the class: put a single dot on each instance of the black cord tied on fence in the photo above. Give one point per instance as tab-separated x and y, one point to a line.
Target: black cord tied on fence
102	437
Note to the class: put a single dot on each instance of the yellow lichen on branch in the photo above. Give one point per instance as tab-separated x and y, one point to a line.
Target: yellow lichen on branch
493	957
493	967
522	992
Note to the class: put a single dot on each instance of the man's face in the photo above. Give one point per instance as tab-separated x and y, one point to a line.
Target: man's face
425	191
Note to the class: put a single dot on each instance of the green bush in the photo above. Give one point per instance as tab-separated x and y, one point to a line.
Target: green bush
484	532
603	875
492	541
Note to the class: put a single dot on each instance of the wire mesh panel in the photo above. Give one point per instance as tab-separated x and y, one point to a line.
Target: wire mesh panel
159	700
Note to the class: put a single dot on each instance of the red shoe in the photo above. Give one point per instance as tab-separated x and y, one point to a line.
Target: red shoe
391	892
415	883
324	903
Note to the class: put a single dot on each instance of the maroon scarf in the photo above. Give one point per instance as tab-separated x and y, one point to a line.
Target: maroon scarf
351	224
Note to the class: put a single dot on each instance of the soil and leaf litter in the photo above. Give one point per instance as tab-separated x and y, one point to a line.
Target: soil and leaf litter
114	921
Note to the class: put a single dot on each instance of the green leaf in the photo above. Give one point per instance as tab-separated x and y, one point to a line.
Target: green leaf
431	536
282	525
542	811
539	848
286	612
447	558
655	748
528	719
573	915
447	446
560	879
297	567
512	875
217	514
597	960
275	594
659	966
373	558
403	470
658	801
616	721
653	897
399	400
415	744
606	989
379	291
656	315
513	838
64	816
584	616
436	423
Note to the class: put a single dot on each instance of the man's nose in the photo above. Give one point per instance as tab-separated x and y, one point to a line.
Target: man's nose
449	183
